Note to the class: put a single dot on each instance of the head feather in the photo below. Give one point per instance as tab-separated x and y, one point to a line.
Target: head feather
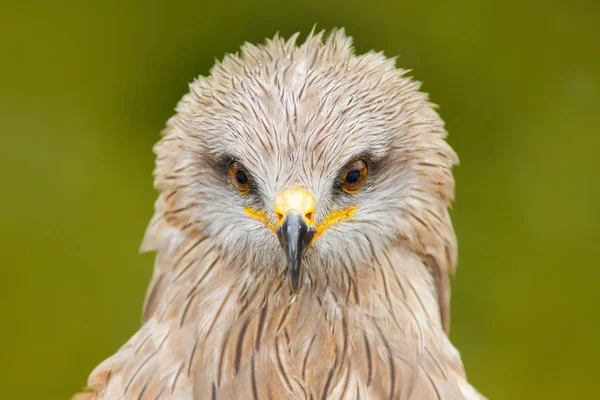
295	114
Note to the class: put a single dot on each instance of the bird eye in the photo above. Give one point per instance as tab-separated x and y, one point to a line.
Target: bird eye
354	176
239	177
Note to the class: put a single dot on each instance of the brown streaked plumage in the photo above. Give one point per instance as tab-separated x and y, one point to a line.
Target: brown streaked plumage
364	314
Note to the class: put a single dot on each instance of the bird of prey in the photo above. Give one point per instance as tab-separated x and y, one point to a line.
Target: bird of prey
302	236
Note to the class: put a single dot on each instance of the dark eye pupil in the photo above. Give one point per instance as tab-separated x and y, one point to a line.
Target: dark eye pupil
353	176
241	177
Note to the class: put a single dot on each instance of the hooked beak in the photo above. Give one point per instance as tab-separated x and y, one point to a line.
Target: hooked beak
295	228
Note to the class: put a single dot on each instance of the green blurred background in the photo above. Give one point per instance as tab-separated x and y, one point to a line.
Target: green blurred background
85	90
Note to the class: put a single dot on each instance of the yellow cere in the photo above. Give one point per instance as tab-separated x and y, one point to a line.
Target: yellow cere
295	198
332	218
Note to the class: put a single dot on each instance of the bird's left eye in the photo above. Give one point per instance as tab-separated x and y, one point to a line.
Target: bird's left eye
354	176
239	177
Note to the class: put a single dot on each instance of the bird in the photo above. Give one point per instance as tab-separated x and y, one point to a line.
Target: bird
304	247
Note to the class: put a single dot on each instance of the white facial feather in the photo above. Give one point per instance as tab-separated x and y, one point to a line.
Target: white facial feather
372	315
296	115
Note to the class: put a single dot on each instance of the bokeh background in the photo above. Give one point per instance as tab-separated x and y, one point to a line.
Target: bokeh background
86	88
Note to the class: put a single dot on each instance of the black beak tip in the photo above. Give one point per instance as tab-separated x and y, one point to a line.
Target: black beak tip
295	236
295	281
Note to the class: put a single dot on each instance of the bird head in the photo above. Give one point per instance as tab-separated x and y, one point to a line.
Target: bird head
297	160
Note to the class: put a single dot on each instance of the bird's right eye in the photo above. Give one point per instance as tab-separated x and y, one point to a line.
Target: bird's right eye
239	177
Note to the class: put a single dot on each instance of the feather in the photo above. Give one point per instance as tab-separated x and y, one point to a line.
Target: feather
370	320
